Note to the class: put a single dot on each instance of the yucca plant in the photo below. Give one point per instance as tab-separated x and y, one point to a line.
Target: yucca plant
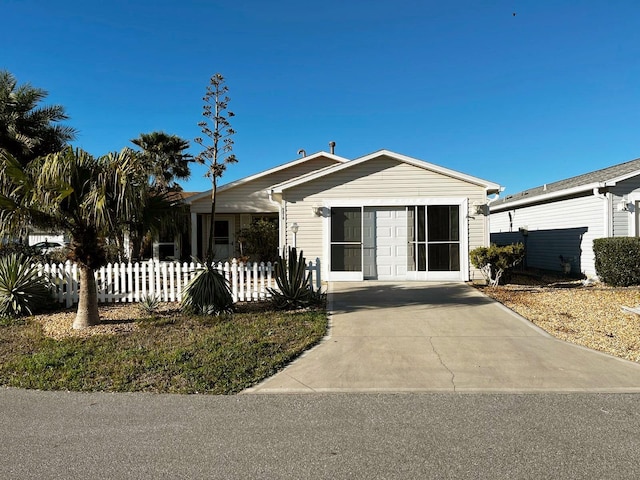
149	304
294	283
208	293
22	290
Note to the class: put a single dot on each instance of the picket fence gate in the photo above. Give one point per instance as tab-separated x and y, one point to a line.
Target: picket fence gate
131	282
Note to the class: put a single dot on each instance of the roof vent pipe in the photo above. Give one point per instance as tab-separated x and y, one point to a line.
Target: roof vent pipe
332	147
302	152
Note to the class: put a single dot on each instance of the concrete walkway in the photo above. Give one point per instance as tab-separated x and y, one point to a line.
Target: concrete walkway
441	337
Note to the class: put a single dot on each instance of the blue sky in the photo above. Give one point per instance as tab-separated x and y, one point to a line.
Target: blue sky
551	92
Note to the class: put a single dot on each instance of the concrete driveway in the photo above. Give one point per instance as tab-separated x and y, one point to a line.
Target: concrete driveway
441	337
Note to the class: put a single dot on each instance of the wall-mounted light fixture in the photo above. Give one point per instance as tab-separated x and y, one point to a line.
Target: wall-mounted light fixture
478	208
623	206
294	229
317	210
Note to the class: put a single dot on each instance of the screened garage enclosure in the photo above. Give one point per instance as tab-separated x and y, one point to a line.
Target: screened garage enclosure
418	242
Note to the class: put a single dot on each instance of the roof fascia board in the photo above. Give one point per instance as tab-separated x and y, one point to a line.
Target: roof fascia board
612	182
547	196
490	186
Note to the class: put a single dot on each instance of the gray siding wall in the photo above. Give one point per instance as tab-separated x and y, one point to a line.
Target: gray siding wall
383	178
566	227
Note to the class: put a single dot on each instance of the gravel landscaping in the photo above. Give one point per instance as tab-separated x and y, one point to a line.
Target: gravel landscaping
589	315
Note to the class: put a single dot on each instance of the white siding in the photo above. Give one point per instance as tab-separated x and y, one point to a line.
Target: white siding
566	227
252	197
380	179
623	221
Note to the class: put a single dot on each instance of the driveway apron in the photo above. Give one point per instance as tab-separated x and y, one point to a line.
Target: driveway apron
441	337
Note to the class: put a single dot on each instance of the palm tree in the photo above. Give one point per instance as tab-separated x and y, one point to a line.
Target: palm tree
165	159
85	196
27	130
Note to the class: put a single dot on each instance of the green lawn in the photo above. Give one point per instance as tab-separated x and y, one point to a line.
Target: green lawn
166	354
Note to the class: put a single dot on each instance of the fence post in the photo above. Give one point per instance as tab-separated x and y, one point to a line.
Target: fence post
234	279
131	286
318	270
241	281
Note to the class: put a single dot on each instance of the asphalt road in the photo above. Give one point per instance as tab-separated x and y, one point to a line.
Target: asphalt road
59	435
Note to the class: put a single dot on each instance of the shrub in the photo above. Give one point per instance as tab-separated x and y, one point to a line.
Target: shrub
10	247
260	241
207	293
617	260
494	261
149	304
22	290
294	283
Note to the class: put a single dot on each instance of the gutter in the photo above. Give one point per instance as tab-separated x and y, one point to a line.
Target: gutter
548	196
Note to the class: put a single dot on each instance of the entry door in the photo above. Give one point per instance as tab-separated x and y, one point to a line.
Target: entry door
223	237
385	243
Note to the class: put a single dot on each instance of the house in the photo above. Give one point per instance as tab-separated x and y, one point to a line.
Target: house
383	216
558	221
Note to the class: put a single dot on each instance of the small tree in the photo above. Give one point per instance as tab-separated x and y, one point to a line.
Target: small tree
217	153
261	240
494	261
85	196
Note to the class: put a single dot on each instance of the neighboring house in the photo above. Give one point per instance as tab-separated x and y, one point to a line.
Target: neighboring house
383	216
558	221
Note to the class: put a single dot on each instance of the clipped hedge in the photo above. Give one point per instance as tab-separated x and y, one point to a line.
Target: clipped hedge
618	260
494	261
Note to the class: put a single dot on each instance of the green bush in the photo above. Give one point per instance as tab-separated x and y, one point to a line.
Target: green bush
208	293
494	261
22	290
10	247
260	241
618	260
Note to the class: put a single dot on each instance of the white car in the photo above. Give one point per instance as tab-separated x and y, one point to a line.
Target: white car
47	247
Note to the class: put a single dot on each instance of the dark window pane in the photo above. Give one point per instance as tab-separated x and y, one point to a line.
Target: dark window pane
166	251
422	257
454	223
421	226
442	221
346	224
346	258
444	257
221	232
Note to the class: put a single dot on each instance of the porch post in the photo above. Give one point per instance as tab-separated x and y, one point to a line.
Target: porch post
194	234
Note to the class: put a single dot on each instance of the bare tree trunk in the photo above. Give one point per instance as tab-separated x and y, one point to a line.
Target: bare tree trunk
87	314
210	246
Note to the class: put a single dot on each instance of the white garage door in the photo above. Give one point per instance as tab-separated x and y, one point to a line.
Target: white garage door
385	243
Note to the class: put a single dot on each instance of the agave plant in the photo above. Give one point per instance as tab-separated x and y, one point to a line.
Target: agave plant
149	304
208	293
22	290
294	283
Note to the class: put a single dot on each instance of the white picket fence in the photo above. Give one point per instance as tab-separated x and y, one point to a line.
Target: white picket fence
131	282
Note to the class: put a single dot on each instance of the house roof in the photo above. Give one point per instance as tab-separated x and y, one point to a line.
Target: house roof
490	186
586	182
264	173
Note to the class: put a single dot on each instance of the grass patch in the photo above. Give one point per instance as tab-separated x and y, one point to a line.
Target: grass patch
177	354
